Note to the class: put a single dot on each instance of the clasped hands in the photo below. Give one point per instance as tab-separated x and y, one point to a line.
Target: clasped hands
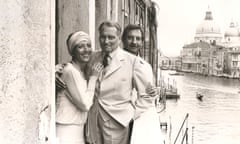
152	90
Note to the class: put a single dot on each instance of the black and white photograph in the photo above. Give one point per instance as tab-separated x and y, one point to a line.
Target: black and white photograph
120	72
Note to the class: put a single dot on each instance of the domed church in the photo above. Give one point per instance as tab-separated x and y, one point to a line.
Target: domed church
232	34
208	30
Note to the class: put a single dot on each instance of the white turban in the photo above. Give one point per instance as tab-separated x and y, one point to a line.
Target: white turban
75	39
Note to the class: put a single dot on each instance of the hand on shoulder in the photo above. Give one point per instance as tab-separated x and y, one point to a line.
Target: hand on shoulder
58	72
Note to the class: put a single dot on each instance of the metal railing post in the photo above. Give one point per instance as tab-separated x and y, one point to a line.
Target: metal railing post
181	128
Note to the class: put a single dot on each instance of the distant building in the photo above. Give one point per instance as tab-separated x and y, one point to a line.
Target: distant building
164	62
170	63
232	68
175	63
211	53
195	57
232	44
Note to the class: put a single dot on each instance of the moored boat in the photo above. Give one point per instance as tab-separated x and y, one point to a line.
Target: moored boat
177	74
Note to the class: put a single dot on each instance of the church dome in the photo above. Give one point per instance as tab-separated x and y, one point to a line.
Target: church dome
232	31
208	30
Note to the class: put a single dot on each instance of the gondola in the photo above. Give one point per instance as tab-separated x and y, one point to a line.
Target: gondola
199	96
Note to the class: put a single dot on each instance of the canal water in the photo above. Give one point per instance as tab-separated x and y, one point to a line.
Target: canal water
215	119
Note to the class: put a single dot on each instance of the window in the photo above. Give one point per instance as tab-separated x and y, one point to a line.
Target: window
235	63
234	57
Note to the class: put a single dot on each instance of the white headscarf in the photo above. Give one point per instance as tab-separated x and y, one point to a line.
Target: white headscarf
75	39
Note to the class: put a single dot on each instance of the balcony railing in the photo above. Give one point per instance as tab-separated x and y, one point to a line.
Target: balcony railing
185	129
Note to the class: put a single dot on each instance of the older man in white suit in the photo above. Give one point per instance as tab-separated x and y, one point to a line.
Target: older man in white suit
113	108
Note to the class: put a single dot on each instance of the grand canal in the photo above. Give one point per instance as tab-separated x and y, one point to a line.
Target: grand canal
216	119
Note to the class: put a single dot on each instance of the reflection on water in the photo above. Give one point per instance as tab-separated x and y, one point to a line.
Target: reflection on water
216	118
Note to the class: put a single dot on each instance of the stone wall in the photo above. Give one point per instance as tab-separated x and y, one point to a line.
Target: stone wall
25	68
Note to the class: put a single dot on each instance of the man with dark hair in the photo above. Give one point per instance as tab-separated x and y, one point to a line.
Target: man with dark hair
133	38
148	122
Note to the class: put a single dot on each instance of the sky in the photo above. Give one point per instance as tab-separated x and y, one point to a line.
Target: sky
178	20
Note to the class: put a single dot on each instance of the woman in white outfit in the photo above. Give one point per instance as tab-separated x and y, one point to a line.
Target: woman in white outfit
75	100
